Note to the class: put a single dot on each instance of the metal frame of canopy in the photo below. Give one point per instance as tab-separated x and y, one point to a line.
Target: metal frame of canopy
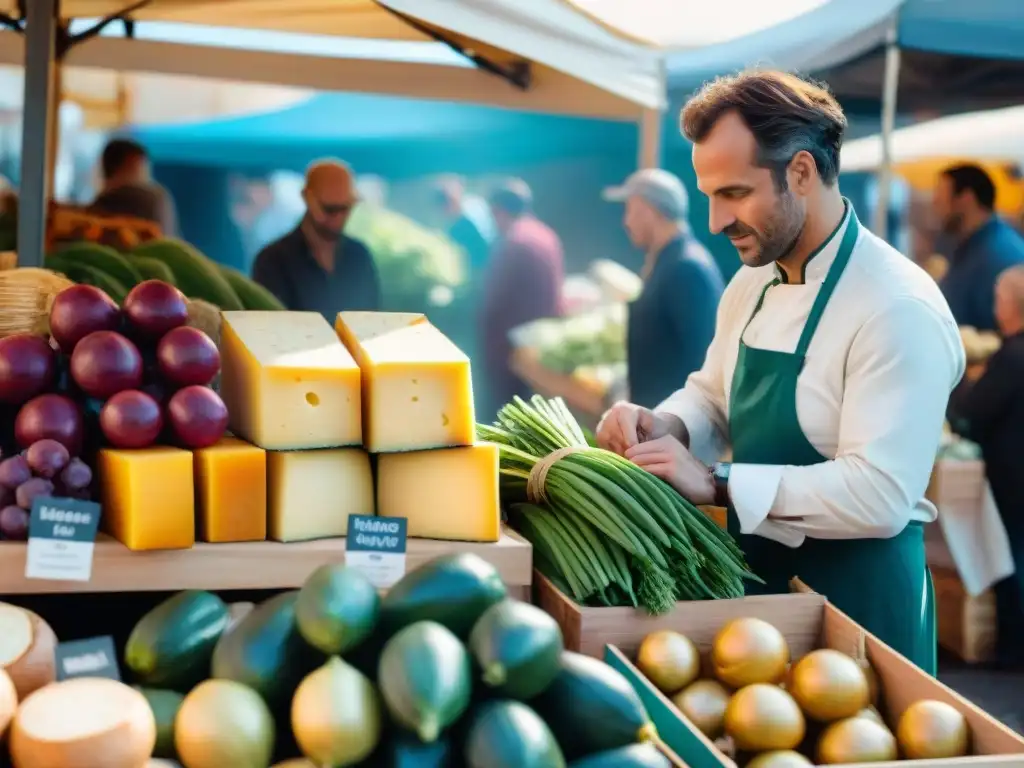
44	44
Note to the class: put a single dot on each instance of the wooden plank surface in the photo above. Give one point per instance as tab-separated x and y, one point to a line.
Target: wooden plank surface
249	565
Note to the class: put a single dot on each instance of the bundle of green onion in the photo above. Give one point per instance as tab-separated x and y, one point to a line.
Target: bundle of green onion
604	530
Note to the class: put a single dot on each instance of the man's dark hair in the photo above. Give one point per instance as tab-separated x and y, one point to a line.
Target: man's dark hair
513	197
786	114
118	153
972	178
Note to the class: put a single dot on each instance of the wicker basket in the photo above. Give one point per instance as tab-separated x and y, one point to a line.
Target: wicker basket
26	295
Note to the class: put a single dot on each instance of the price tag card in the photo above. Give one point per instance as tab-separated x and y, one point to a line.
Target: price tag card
61	538
95	657
376	547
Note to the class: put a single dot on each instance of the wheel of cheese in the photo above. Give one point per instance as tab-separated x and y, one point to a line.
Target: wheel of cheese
26	649
83	723
8	702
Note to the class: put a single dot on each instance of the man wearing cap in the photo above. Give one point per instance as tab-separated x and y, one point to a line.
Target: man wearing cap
523	283
672	323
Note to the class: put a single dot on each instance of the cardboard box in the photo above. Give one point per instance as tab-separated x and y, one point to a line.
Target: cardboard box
958	484
966	625
809	622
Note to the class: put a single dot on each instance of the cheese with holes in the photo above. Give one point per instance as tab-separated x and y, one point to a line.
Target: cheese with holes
417	388
147	497
288	382
310	494
231	492
449	493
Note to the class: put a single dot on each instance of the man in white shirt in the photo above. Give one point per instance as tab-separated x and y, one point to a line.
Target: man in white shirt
828	376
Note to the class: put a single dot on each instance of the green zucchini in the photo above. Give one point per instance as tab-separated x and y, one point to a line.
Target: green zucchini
425	679
194	273
518	647
86	274
250	293
633	756
508	734
165	705
336	609
591	707
104	258
171	646
153	269
453	590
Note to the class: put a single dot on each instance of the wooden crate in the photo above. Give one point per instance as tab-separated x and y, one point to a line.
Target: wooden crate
966	625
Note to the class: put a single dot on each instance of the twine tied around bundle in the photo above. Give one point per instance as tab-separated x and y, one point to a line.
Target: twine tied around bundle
537	481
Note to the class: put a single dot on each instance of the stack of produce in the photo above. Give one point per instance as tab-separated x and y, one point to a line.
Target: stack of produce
45	468
444	670
564	345
824	709
979	346
605	531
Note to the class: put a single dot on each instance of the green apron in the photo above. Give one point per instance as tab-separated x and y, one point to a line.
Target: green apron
882	584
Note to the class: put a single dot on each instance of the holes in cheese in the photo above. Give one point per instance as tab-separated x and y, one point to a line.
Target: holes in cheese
288	382
231	492
87	722
147	497
449	493
417	389
26	649
310	494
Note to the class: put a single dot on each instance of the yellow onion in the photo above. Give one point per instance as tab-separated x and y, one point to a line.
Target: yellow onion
748	651
703	703
829	685
872	714
669	660
931	730
764	717
780	758
856	740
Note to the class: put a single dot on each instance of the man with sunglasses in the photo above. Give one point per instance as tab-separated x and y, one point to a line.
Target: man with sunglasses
315	267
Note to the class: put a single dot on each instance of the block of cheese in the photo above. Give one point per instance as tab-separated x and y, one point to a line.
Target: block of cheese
147	497
288	382
449	493
417	388
231	492
310	494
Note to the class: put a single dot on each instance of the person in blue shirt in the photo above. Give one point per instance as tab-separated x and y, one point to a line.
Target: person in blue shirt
982	244
672	322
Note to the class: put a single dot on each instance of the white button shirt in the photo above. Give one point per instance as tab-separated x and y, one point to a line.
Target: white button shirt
872	394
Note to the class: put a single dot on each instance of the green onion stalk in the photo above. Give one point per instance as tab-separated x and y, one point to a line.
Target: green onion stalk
604	530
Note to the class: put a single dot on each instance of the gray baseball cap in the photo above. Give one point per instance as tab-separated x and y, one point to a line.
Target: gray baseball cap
663	190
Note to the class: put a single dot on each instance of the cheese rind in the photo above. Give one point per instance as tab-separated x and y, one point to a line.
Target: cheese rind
449	493
231	492
417	386
310	494
147	497
288	382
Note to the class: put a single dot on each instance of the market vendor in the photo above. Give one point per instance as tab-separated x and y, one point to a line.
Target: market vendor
672	322
828	377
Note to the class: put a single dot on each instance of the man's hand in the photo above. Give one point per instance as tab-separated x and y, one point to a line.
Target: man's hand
670	460
625	425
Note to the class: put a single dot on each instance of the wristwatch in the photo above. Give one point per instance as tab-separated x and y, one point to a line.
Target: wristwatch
720	474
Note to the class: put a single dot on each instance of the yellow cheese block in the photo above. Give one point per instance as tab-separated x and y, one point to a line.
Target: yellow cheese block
147	497
231	492
310	494
417	388
450	493
288	382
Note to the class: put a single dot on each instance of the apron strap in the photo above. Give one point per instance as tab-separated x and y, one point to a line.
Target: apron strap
846	247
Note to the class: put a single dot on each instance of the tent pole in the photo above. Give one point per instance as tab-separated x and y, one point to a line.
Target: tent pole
650	127
890	93
38	126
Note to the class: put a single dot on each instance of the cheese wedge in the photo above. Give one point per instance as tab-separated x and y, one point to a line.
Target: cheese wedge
231	492
417	388
449	493
288	382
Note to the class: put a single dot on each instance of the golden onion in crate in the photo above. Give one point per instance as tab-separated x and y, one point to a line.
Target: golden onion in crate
780	758
763	717
703	703
871	714
931	730
856	740
669	660
748	651
829	685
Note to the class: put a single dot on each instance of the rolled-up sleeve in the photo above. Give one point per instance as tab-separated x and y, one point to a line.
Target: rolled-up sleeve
901	368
